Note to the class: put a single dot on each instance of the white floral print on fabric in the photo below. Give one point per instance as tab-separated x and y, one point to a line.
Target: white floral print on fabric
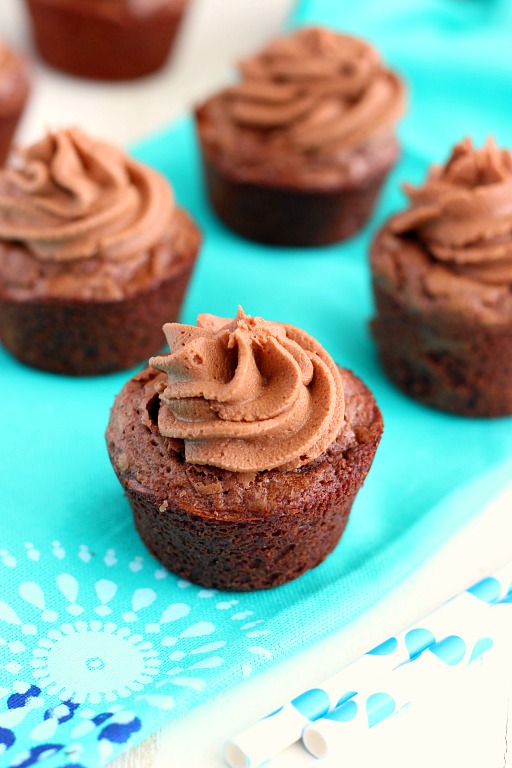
92	642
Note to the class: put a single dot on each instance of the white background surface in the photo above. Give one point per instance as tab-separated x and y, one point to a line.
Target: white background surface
466	724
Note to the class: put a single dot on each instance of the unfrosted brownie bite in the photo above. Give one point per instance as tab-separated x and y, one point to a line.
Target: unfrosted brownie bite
241	451
442	280
296	152
94	256
106	39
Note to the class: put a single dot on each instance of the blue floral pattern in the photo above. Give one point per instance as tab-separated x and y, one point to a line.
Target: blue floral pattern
92	644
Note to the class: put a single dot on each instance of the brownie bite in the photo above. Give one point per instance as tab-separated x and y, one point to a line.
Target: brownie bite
442	280
241	451
296	152
94	256
106	39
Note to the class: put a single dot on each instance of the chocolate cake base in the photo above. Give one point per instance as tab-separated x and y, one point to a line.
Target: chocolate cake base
445	342
277	195
85	337
102	40
443	363
291	215
233	531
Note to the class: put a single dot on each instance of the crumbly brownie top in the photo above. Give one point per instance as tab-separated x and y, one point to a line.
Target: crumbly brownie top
248	395
146	459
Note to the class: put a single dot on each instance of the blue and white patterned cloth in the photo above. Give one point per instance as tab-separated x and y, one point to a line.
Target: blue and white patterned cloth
99	646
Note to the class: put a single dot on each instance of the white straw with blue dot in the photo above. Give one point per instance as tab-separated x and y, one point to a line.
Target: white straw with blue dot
341	729
278	730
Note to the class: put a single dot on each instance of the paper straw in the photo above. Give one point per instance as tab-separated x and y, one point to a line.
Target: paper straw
278	730
341	728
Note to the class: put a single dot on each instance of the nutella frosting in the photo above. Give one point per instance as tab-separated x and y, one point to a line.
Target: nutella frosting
72	197
321	90
463	213
248	395
81	219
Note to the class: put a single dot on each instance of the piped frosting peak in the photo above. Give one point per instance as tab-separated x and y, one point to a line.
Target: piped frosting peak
322	90
248	395
72	197
463	212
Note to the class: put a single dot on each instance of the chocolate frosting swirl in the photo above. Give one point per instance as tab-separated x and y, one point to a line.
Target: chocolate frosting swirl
321	89
248	395
72	197
463	213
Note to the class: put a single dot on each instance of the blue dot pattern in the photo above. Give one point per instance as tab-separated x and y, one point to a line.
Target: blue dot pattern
18	700
275	712
451	650
62	712
119	733
379	706
312	704
417	640
386	648
36	755
7	738
344	713
507	598
487	590
481	646
345	697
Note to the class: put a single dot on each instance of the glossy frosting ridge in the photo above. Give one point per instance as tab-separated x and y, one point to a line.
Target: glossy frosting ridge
463	213
70	197
322	90
248	395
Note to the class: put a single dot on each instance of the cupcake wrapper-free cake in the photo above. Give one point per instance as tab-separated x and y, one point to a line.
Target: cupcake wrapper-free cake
94	256
104	39
442	280
296	152
249	484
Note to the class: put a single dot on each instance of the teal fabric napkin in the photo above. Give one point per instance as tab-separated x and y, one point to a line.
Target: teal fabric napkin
99	645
